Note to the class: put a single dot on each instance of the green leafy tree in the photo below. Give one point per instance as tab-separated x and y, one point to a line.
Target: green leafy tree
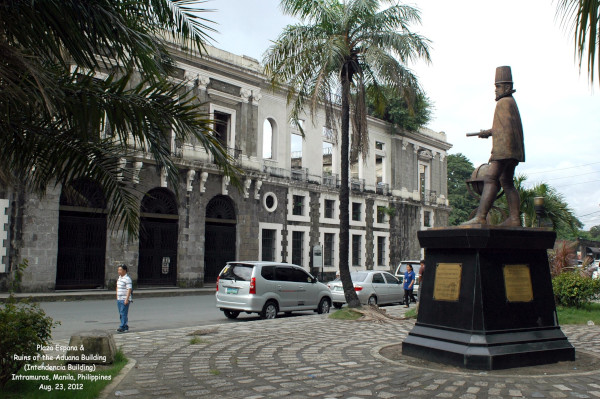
337	52
460	170
74	69
583	16
557	212
400	112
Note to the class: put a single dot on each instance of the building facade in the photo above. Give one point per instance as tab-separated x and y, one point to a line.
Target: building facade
286	210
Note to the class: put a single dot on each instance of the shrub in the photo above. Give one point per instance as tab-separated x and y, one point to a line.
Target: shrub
25	328
573	289
563	257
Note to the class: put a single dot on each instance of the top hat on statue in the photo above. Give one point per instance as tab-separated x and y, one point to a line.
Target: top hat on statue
503	74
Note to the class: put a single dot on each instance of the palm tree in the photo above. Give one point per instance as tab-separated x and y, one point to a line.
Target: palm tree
583	16
556	211
338	52
73	69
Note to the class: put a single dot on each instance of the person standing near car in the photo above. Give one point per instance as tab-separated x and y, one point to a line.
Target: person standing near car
124	287
409	282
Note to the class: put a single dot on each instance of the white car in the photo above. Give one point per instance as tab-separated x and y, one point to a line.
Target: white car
372	287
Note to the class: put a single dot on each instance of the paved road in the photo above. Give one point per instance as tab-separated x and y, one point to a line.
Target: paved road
314	356
145	314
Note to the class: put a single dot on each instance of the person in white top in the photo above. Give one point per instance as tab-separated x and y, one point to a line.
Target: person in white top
124	287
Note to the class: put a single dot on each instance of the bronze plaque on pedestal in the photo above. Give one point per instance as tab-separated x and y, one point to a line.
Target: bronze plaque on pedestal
447	282
517	282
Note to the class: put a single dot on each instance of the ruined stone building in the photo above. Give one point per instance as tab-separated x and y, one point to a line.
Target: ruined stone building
288	204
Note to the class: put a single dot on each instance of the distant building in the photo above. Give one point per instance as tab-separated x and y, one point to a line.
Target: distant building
289	203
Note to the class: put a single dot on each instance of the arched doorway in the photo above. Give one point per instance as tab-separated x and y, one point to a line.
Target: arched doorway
81	236
219	244
158	239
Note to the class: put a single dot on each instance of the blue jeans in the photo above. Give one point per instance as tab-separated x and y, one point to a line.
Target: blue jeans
123	310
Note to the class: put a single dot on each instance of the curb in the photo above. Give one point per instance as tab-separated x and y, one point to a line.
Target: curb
104	294
115	383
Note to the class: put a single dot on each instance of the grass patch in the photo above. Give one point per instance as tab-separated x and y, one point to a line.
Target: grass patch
71	389
345	314
571	315
215	372
197	340
411	314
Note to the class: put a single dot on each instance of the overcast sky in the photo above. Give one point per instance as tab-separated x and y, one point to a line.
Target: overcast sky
560	110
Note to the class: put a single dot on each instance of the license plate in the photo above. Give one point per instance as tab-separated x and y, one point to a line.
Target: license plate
231	290
338	288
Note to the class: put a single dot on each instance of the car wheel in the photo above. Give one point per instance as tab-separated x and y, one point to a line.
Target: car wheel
269	311
338	305
324	306
231	314
372	300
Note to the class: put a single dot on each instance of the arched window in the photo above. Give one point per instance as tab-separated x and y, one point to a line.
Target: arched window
269	130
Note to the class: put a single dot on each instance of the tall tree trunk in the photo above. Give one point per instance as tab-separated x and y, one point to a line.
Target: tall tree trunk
349	293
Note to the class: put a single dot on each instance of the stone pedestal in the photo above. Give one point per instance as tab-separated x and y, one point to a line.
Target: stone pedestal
93	347
486	300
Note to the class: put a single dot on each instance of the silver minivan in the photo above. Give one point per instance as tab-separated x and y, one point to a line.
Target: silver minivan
268	288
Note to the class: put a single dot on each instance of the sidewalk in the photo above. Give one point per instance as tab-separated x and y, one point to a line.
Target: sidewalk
314	356
79	295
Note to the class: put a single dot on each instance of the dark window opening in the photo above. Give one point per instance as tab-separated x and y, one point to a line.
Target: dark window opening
356	244
356	211
329	209
268	245
222	121
328	249
297	242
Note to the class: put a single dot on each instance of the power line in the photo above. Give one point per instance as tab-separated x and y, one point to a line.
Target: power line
570	167
591	213
581	182
568	177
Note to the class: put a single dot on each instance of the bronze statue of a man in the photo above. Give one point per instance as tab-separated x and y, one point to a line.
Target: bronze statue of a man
508	150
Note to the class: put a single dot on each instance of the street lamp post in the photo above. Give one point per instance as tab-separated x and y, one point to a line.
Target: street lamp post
538	205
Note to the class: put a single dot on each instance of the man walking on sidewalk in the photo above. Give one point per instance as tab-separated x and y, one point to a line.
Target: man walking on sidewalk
124	287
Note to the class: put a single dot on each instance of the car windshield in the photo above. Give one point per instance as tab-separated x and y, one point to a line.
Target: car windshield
358	277
237	271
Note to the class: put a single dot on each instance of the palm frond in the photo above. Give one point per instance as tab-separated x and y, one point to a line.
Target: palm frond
583	17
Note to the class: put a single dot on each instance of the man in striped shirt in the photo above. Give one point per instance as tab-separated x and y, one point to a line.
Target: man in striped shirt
124	287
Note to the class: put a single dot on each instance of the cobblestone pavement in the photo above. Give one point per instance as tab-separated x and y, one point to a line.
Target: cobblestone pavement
314	356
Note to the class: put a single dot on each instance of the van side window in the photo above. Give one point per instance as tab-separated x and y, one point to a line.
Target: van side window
300	276
268	272
284	273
